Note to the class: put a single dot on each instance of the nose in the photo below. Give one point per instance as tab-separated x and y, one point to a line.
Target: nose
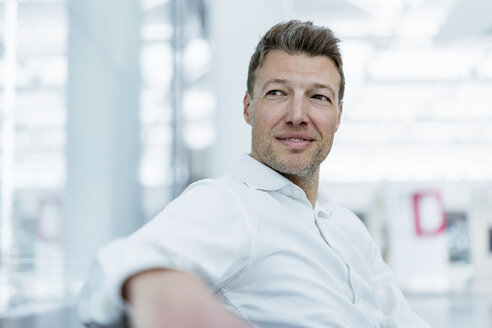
297	112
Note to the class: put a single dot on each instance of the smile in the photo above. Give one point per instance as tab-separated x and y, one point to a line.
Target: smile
295	142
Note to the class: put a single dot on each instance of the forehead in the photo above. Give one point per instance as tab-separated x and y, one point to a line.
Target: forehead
297	68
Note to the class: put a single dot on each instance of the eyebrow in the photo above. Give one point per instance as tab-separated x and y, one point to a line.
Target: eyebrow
324	86
279	81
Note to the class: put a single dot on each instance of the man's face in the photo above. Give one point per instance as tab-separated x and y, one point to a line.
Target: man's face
294	112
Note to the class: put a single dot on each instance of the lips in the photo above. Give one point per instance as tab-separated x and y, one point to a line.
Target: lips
295	136
295	140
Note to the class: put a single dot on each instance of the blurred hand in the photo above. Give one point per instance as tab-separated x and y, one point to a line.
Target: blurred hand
163	298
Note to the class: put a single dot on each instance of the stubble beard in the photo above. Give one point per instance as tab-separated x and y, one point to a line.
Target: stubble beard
264	150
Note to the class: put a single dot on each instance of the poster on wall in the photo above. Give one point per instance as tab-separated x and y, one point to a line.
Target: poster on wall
418	244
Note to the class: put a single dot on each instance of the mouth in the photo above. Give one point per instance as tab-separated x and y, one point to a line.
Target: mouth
295	141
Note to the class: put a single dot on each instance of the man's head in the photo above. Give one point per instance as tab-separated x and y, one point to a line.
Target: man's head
293	102
295	37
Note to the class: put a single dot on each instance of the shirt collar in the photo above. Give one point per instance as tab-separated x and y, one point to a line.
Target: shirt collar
257	175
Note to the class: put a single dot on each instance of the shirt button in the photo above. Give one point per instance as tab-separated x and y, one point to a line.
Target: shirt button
357	299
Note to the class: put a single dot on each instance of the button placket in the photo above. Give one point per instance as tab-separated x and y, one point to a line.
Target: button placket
355	297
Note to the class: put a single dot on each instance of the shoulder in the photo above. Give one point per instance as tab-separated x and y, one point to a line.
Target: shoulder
215	202
211	188
203	194
343	217
225	191
347	222
222	191
350	221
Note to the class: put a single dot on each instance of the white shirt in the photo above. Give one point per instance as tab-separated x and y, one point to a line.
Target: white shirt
256	240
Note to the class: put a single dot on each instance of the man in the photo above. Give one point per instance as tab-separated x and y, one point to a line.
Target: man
259	247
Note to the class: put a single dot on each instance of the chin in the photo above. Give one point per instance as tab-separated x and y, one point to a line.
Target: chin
300	172
299	164
296	169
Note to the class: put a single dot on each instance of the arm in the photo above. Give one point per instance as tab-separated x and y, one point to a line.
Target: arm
203	232
161	298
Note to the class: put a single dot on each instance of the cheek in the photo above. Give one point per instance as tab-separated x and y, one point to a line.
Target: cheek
328	125
266	118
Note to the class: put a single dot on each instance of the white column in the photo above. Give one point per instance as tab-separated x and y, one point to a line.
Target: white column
236	29
103	193
7	167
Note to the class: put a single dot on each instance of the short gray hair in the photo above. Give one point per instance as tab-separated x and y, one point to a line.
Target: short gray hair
296	37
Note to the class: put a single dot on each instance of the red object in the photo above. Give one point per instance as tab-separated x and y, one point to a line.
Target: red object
417	197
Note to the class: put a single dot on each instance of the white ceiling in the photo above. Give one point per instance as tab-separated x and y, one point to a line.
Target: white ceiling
419	84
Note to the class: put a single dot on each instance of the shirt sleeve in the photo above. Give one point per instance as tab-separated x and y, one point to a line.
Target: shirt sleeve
202	232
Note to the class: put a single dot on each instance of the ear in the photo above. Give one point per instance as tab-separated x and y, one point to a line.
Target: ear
247	107
339	118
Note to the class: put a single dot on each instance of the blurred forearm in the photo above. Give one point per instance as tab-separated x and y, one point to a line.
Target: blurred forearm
163	298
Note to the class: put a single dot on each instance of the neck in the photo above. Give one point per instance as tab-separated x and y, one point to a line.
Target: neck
308	183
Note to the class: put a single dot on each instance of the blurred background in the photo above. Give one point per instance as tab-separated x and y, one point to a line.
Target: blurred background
110	108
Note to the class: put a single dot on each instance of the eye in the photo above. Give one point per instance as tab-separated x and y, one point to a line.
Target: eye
274	93
322	98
